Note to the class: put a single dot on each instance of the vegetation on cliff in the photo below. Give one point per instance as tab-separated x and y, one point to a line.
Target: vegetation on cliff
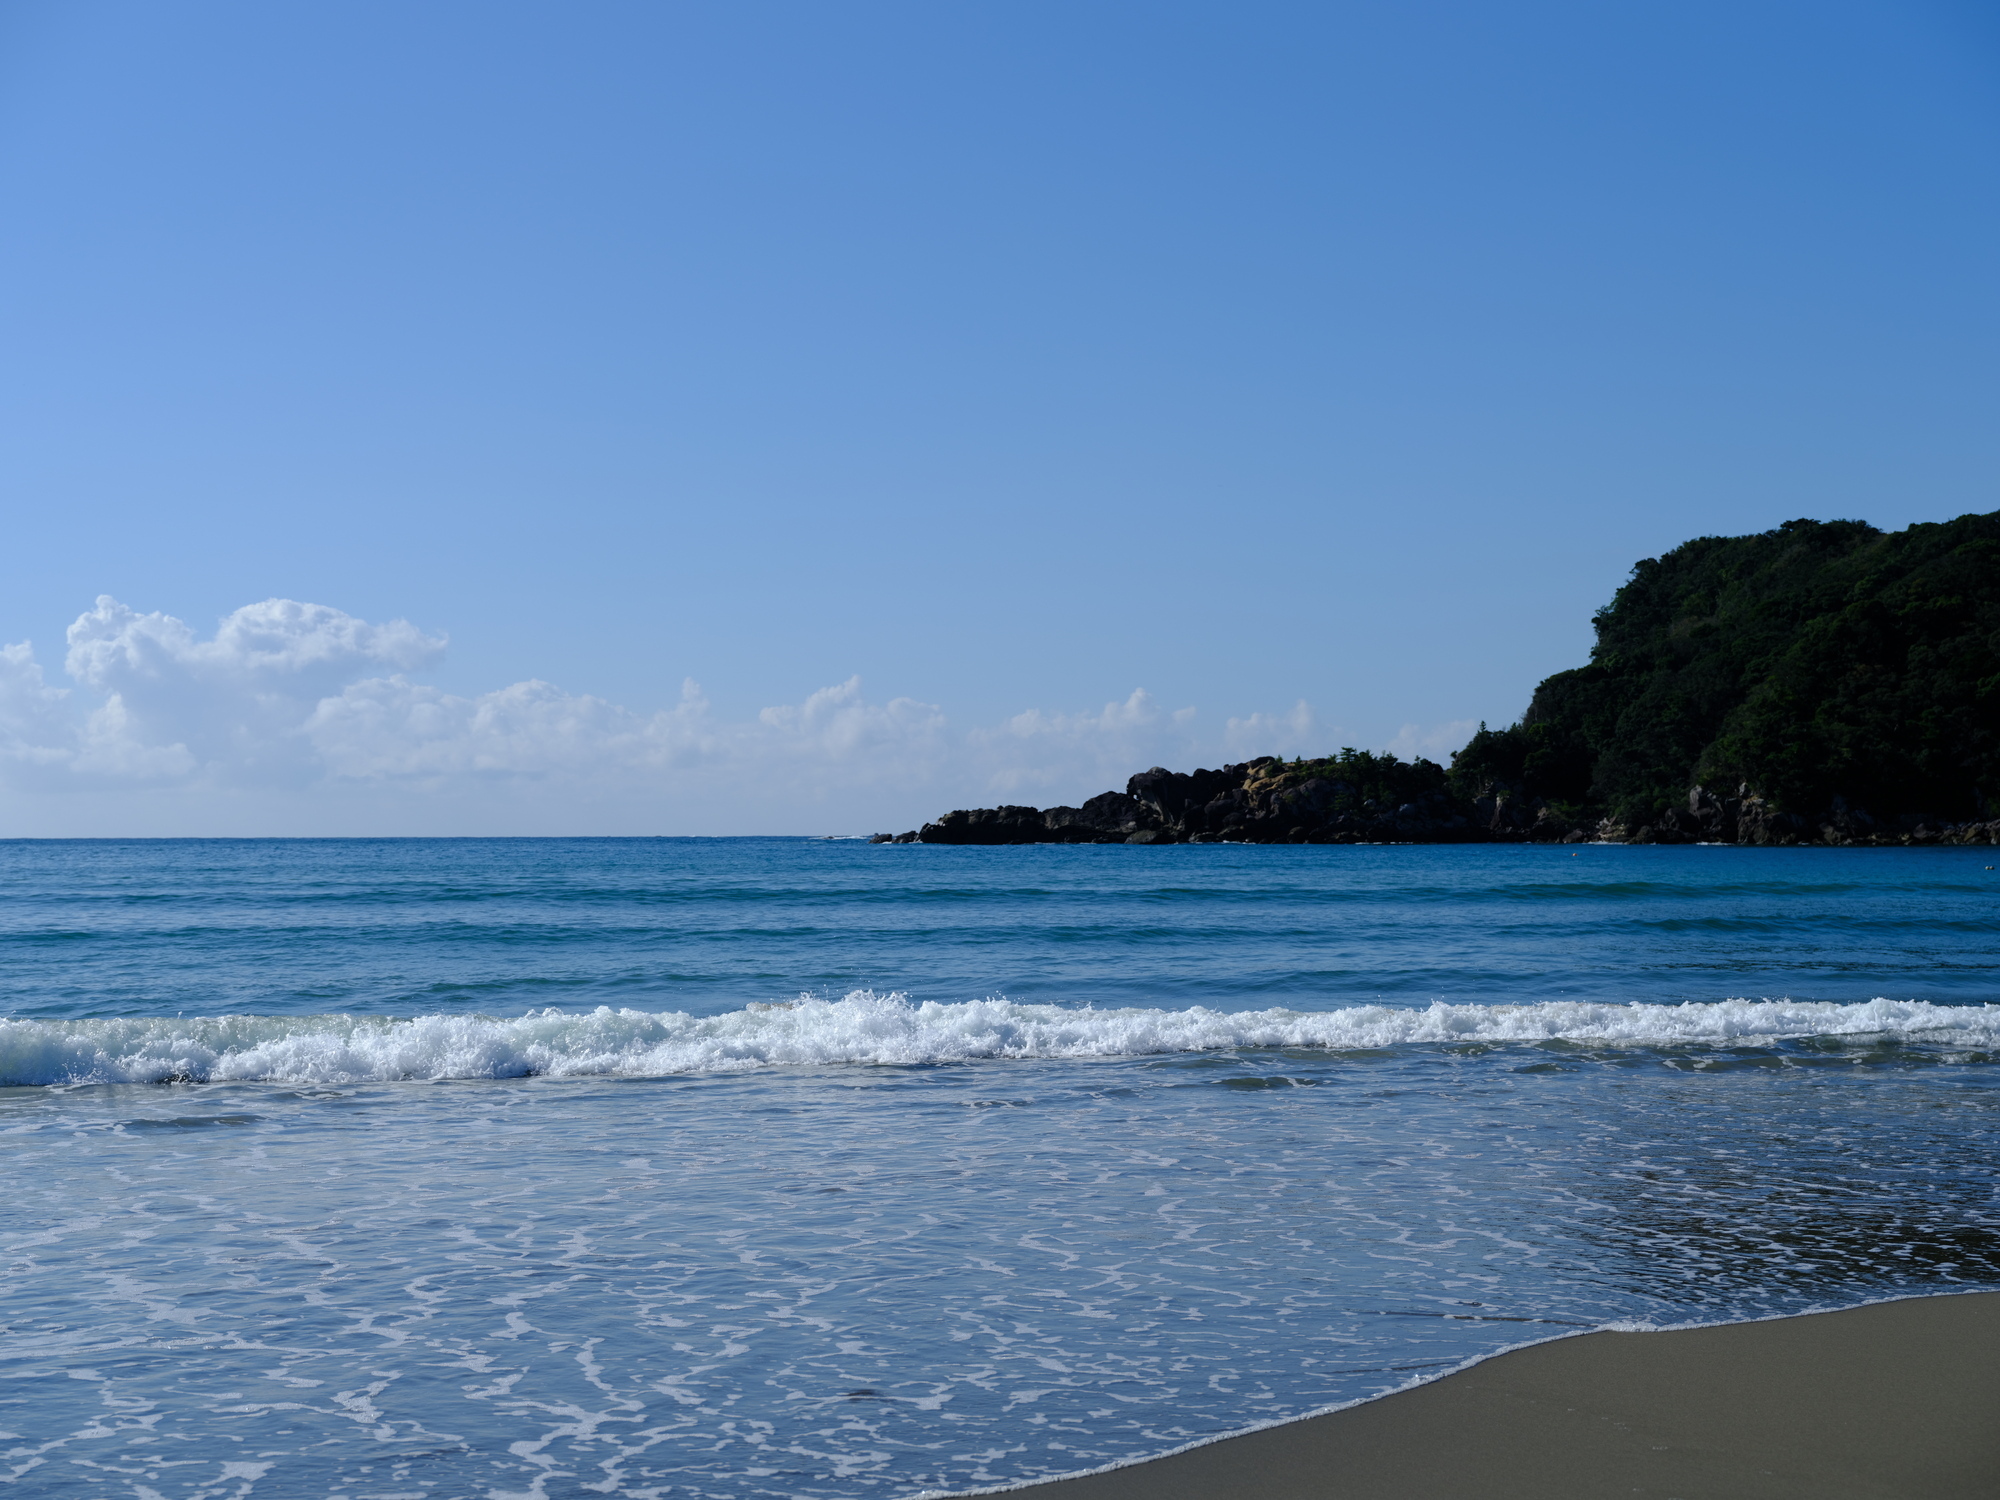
1359	781
1843	676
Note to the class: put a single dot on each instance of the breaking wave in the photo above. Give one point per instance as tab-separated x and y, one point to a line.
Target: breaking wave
865	1027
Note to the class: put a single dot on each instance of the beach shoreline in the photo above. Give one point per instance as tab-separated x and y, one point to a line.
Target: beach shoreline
1891	1400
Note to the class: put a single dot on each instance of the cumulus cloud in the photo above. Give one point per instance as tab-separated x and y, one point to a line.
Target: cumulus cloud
389	727
393	728
1433	742
279	640
1035	752
838	723
1294	733
303	701
31	720
174	705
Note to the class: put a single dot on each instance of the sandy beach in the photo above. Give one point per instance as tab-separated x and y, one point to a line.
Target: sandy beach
1898	1399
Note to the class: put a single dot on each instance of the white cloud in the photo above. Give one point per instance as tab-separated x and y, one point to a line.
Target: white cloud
1434	742
115	743
1136	714
176	706
31	712
117	648
390	727
293	709
1046	756
838	724
1293	733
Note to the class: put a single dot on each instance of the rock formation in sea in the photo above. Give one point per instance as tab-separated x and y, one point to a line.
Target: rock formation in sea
1354	797
1822	683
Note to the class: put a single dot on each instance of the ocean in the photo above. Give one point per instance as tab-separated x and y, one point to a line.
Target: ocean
810	1168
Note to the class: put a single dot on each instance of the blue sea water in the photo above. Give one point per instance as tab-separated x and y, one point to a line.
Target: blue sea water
775	1167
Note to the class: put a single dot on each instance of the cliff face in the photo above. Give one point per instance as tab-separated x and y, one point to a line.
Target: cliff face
1822	683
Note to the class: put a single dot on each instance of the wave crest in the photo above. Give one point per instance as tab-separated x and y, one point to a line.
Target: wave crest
865	1027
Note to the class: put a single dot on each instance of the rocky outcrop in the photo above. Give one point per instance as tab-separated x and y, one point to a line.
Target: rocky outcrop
1747	817
1113	818
1358	798
1353	798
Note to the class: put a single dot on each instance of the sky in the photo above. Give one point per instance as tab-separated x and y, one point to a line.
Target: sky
788	418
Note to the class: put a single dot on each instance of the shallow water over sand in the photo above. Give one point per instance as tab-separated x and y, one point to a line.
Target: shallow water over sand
692	1253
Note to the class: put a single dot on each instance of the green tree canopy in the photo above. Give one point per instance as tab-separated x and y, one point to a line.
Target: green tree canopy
1823	659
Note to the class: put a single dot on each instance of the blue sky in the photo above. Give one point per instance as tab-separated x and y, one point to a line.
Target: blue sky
1312	371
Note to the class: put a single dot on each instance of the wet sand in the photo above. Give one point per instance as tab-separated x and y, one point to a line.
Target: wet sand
1900	1399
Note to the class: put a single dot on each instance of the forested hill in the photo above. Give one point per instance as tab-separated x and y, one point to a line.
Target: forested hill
1822	683
1844	680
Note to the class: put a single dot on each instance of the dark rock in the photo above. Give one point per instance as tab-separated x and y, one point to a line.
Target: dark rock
1107	817
1758	822
1714	816
987	825
1358	798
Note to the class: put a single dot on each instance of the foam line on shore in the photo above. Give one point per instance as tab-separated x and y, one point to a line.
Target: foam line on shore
869	1028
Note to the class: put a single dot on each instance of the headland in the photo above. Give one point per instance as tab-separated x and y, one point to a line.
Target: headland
1821	683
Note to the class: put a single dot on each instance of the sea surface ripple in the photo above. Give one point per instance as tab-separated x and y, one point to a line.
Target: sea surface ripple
808	1168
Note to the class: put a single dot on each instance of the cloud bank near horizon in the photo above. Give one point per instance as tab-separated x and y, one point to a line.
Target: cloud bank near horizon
301	718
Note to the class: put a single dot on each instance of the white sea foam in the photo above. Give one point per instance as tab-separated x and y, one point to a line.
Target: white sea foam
865	1027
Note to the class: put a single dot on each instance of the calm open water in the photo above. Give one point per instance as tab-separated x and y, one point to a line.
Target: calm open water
793	1168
